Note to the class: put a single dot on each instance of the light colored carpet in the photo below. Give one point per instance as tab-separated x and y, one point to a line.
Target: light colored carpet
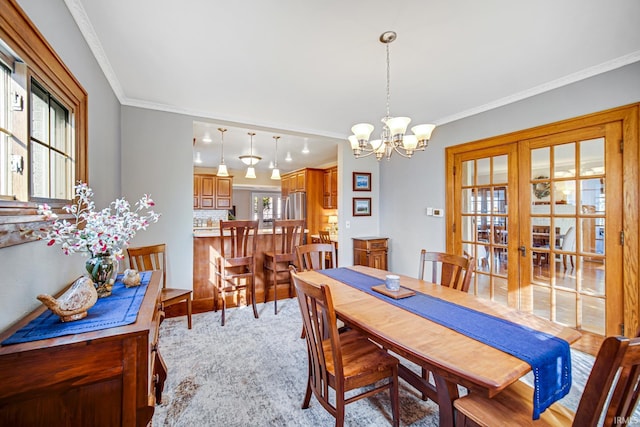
252	372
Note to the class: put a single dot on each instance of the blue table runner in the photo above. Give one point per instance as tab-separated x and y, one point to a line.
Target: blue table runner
549	356
118	309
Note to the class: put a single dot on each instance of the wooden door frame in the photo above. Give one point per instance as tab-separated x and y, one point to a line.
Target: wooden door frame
629	116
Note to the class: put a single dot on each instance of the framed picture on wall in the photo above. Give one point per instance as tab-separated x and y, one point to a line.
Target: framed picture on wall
361	181
362	206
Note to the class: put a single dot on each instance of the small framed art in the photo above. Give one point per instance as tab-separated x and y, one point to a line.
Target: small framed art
362	206
361	181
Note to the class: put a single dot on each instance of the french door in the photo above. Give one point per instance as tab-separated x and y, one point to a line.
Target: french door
542	218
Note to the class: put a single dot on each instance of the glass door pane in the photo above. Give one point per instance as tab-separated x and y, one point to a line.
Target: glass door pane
564	273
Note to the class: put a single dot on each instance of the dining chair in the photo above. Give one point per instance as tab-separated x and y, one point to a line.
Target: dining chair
341	361
154	257
281	256
325	237
236	264
315	256
455	270
615	373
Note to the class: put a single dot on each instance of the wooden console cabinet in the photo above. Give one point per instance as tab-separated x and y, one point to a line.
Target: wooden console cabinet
370	251
105	378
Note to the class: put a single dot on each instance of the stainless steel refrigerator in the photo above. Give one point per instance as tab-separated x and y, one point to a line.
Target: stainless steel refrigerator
296	206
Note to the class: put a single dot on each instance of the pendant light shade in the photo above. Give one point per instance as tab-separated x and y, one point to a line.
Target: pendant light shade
222	168
275	174
250	160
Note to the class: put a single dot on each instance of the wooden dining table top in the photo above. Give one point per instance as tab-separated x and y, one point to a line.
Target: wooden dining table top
454	356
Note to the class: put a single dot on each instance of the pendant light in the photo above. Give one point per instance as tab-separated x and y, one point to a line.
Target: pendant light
275	174
251	172
222	168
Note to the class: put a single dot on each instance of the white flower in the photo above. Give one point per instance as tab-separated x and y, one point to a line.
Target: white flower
108	231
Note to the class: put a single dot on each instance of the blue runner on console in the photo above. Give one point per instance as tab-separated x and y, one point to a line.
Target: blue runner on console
118	309
549	356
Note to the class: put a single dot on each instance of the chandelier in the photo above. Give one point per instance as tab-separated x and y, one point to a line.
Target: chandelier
250	160
393	136
222	168
275	173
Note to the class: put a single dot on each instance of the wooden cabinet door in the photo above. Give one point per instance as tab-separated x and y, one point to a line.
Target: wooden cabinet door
334	187
207	192
223	193
301	181
197	183
330	189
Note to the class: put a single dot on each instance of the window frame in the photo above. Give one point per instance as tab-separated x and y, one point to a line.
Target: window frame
19	218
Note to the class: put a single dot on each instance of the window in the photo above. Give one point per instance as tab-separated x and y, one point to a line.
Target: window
266	207
52	148
43	127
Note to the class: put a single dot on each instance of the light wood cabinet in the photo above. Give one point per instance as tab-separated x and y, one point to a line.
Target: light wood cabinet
110	377
207	192
223	192
370	251
212	192
330	191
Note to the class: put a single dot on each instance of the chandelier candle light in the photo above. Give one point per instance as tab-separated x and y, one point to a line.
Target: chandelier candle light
222	168
392	137
250	160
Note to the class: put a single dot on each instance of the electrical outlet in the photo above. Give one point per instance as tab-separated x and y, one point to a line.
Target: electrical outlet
438	212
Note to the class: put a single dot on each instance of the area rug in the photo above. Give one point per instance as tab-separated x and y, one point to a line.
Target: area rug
252	372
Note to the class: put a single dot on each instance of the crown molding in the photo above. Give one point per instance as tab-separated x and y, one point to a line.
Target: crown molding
546	87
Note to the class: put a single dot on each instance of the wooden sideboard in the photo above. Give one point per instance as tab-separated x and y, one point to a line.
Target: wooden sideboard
370	251
110	377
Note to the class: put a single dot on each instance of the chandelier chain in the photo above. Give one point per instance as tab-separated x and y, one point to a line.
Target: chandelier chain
388	82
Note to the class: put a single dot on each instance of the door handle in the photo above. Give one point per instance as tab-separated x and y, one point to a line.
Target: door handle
523	250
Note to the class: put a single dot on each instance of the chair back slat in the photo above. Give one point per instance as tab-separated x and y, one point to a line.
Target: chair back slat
237	238
325	236
314	256
615	373
455	270
149	258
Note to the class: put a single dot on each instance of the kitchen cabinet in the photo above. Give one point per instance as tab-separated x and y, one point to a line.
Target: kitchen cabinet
197	183
223	192
330	191
207	192
212	192
109	377
370	251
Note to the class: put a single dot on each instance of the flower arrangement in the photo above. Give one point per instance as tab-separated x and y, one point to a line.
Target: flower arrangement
108	231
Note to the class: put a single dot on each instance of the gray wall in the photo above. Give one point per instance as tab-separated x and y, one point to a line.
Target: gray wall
33	268
408	228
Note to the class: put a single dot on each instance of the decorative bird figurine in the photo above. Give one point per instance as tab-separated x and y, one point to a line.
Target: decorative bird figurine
131	278
74	303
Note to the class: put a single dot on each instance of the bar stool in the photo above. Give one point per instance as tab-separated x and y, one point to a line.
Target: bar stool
281	256
236	265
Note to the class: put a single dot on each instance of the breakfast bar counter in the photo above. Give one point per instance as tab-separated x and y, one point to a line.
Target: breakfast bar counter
206	250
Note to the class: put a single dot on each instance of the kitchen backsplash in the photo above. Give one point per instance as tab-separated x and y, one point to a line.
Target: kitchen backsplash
202	217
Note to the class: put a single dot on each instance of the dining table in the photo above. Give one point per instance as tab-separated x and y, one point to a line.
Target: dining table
453	358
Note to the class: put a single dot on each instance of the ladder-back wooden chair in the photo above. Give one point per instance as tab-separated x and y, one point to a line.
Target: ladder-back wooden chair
325	237
455	270
315	256
154	257
615	373
343	362
235	269
287	234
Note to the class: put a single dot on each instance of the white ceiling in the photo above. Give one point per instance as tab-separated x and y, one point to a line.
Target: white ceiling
309	70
